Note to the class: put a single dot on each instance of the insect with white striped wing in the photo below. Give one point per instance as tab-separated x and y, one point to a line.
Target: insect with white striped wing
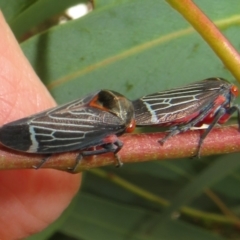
93	121
209	101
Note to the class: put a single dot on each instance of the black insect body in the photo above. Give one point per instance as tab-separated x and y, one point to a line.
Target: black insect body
209	101
93	121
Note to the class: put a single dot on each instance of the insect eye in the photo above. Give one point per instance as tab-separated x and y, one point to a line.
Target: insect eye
130	128
234	90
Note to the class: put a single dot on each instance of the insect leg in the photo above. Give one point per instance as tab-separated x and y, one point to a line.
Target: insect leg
234	109
42	162
218	115
183	128
78	160
221	112
173	131
114	147
86	153
108	147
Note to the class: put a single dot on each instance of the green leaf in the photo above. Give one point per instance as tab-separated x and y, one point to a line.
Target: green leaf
37	13
207	178
96	218
129	46
104	3
229	185
13	8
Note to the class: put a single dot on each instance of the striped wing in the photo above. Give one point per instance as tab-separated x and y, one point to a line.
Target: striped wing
179	105
69	127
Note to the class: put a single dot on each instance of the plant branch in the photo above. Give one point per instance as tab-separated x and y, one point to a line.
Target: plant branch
137	148
210	33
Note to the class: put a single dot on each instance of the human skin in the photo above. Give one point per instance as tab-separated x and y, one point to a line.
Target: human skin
29	199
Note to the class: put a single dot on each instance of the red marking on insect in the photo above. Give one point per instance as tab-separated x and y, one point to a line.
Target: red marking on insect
131	127
209	118
234	90
95	103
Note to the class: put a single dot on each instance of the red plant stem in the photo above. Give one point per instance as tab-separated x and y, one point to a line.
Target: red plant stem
137	148
211	34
